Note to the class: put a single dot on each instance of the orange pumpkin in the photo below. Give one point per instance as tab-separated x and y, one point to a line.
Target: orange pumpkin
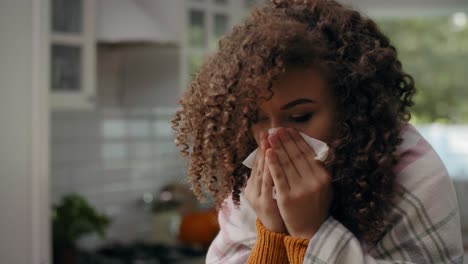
199	228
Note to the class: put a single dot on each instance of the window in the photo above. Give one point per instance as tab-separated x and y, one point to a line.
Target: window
67	16
208	22
197	29
72	54
195	61
221	24
250	3
66	68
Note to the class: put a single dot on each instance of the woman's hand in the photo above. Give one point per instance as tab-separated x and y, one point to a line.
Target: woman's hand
303	186
259	192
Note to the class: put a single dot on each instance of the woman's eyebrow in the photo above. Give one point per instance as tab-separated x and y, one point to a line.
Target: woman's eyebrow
297	102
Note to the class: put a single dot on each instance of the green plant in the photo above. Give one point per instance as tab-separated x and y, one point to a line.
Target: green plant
73	218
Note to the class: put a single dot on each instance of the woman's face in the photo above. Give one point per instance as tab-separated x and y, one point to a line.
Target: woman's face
301	100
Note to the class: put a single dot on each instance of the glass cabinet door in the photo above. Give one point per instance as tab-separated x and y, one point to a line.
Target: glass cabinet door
72	54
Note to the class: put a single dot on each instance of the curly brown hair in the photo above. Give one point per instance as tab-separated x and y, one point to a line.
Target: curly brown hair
373	94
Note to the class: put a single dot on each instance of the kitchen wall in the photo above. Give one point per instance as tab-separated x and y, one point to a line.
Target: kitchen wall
114	154
113	157
124	148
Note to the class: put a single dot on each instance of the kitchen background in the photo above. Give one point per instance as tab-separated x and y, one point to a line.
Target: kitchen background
115	69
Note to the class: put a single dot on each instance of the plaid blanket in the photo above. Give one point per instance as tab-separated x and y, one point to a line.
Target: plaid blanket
425	220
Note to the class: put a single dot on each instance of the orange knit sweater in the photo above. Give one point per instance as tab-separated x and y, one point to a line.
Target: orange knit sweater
277	248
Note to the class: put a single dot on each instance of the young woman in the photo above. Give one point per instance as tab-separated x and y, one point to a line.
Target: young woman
316	67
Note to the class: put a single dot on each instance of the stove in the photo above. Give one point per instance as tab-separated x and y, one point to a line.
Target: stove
142	253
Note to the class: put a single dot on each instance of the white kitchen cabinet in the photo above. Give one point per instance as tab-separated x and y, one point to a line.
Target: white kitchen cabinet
72	54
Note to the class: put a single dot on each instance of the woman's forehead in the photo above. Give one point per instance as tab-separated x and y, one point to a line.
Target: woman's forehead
297	83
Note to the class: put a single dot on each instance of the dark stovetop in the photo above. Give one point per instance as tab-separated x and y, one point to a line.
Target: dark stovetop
139	253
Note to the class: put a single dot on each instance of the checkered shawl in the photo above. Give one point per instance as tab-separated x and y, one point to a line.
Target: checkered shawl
425	220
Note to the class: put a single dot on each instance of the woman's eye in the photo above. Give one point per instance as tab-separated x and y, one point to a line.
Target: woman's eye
301	118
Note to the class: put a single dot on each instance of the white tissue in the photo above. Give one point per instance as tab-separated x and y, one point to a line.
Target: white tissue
320	148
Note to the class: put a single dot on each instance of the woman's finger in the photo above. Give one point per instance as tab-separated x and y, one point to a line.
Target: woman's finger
284	160
308	152
295	154
257	177
261	163
267	183
277	174
253	172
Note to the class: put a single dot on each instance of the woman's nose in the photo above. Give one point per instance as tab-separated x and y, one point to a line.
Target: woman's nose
276	123
272	124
